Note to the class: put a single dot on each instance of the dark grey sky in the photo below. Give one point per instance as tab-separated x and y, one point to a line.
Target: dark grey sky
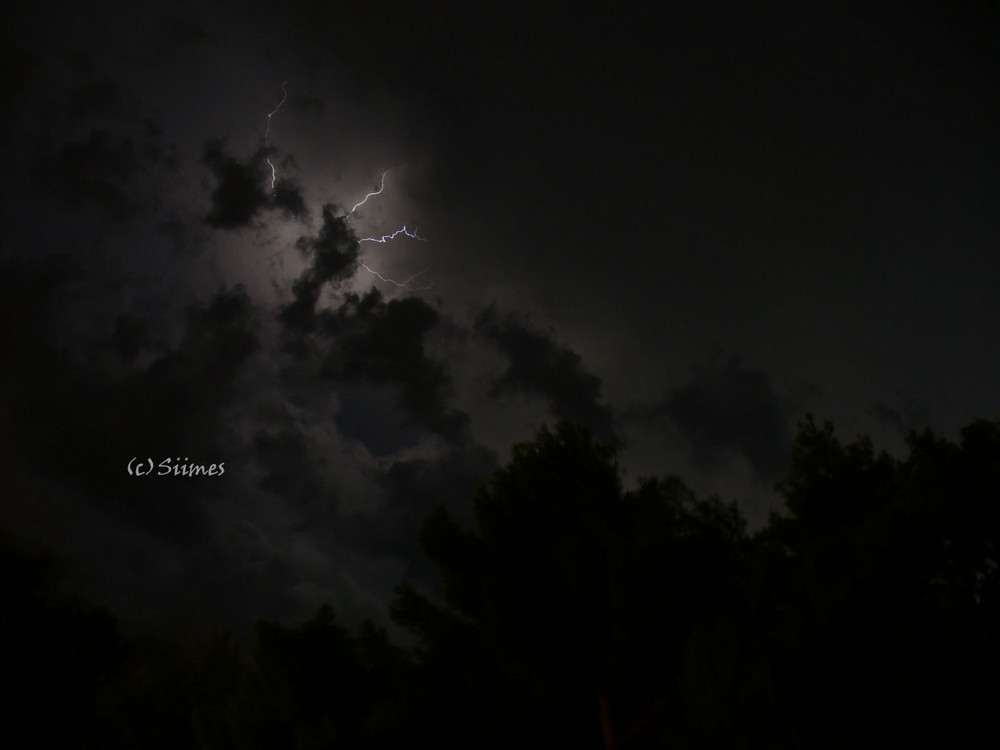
685	228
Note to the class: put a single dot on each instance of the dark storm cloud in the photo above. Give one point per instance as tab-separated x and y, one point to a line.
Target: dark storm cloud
367	341
384	343
333	255
282	453
288	199
75	413
243	188
239	195
292	466
75	417
99	171
219	339
178	402
368	414
538	365
732	410
412	488
87	141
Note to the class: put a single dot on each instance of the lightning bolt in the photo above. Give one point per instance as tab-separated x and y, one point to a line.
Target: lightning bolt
402	284
267	133
365	199
405	284
386	237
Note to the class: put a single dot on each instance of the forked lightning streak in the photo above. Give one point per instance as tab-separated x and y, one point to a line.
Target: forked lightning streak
383	239
386	237
404	230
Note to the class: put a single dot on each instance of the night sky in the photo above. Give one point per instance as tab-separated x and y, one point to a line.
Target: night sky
684	229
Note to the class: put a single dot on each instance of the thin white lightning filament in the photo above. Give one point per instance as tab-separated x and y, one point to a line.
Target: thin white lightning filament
381	187
386	237
406	284
267	133
402	284
273	112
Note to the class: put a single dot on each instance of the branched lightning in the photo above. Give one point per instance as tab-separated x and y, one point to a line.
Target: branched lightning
406	284
267	133
386	237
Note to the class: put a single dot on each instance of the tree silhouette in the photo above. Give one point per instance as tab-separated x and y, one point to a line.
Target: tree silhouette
59	654
868	610
567	605
312	686
576	613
